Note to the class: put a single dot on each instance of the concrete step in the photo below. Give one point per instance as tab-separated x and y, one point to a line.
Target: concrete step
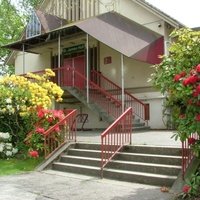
91	146
142	164
75	168
80	160
153	150
149	158
85	153
139	177
153	168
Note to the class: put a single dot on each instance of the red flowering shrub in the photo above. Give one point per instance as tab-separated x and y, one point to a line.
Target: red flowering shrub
46	119
182	90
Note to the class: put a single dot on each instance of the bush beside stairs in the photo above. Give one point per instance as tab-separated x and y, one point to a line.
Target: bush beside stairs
139	164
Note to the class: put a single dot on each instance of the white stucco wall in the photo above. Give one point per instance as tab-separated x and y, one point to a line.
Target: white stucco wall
140	15
136	73
155	101
33	62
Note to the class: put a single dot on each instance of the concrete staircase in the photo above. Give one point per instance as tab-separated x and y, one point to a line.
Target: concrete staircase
81	97
141	164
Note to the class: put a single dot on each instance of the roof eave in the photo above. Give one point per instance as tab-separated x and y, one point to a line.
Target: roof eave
159	13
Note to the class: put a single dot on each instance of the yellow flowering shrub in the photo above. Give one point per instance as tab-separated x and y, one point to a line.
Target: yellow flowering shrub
42	90
20	97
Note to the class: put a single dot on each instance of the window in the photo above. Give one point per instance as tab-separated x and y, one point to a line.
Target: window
33	27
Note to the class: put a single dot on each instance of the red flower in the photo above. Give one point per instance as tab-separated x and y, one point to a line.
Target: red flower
57	129
182	74
50	119
177	77
191	141
195	94
40	130
198	89
33	154
198	68
190	80
197	117
190	102
41	112
186	188
58	114
182	116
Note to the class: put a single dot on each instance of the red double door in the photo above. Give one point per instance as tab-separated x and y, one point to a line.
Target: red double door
74	70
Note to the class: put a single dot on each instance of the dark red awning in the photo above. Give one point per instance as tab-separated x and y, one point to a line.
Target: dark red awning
125	36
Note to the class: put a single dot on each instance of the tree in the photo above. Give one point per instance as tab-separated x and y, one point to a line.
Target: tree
11	27
12	23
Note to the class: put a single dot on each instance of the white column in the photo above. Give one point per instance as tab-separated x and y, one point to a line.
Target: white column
122	79
59	79
23	59
87	63
59	50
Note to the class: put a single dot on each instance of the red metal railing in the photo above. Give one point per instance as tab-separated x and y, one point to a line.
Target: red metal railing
61	133
139	108
66	76
115	137
187	154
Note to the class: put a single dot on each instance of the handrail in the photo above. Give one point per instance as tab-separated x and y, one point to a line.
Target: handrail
59	134
115	137
140	109
187	154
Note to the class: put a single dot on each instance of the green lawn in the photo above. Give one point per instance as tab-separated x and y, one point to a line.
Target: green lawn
16	166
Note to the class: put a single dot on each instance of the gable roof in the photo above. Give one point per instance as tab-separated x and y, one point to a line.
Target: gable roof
159	13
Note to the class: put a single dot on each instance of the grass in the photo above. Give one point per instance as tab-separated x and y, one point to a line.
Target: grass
16	166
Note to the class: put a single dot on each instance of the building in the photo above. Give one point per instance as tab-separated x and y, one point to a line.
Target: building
95	46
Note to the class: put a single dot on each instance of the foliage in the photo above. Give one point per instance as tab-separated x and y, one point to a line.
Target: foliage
6	147
11	27
19	99
17	165
178	78
12	23
29	5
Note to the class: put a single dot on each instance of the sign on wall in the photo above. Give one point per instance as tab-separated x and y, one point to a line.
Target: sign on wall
107	60
74	49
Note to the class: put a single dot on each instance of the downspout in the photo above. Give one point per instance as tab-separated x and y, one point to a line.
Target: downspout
122	79
87	63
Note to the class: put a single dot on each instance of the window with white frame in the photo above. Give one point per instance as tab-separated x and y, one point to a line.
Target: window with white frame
33	27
